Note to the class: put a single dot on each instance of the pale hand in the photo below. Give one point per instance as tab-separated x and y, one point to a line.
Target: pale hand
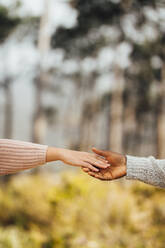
80	159
117	167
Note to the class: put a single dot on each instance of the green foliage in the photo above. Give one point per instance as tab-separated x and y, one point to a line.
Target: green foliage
73	210
92	15
85	39
8	23
88	37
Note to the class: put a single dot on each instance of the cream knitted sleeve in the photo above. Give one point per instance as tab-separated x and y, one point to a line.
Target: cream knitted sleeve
18	155
148	170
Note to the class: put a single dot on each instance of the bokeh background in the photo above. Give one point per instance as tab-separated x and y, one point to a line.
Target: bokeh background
77	74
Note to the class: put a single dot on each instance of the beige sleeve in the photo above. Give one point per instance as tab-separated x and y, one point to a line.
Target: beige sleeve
19	155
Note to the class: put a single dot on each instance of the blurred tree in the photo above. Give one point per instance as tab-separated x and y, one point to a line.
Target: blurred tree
85	40
81	40
8	109
39	125
137	23
116	113
161	118
108	24
8	24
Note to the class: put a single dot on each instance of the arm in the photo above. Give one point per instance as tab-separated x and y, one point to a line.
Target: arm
18	155
148	170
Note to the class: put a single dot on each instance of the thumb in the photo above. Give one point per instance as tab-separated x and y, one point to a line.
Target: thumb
100	152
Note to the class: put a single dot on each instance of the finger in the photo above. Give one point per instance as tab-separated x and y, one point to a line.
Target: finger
91	173
85	169
101	159
96	175
100	152
88	165
97	163
93	176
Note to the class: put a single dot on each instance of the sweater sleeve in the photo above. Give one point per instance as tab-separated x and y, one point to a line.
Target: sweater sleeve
148	170
18	155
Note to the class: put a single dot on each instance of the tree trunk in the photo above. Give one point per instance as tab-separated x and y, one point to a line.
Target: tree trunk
87	125
8	111
131	135
161	119
39	120
8	117
116	114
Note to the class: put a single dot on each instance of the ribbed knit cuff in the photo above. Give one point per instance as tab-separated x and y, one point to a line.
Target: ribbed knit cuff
148	170
137	167
19	155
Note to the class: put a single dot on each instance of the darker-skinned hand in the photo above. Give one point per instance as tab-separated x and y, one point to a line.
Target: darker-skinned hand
117	167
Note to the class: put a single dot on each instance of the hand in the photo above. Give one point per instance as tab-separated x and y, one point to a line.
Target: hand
75	158
117	167
84	159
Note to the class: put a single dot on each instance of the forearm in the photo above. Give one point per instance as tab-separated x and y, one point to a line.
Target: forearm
18	155
148	170
54	154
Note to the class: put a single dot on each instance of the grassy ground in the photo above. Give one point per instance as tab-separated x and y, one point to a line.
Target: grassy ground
71	210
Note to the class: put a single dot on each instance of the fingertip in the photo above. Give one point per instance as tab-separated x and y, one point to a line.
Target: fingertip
85	169
94	169
98	152
91	174
104	166
94	149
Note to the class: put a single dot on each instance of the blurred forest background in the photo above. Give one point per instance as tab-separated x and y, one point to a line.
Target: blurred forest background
77	74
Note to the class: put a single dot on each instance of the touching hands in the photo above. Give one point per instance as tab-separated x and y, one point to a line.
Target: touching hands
80	159
117	167
85	160
104	165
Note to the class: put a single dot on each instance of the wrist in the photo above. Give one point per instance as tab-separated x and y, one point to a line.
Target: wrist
54	154
60	154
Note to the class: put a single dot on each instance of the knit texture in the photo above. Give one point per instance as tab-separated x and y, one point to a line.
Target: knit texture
18	155
148	170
